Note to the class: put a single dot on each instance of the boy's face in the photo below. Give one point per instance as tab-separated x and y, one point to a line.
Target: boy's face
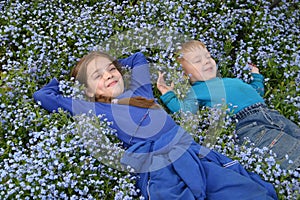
103	78
199	65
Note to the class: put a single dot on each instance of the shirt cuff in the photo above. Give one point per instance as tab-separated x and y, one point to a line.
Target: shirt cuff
167	97
257	77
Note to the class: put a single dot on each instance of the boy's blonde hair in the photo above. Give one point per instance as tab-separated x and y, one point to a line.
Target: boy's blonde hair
188	47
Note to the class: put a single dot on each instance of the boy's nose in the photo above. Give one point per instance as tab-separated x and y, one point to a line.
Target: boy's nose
206	60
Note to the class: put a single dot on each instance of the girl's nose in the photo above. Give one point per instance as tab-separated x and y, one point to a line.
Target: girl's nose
107	75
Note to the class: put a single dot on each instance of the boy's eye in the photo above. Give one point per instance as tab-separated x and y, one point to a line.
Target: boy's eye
97	76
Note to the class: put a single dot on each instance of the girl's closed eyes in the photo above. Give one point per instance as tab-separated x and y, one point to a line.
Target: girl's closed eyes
99	72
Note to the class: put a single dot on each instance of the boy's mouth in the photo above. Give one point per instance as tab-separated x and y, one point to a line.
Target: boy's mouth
208	69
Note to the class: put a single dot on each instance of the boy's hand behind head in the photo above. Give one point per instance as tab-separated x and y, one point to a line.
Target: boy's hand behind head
254	68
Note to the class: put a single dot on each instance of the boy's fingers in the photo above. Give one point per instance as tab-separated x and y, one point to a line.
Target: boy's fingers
161	75
161	84
252	65
172	85
161	79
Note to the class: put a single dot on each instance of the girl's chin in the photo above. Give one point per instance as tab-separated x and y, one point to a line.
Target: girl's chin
117	92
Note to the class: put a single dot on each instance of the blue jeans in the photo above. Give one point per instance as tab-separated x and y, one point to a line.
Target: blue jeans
268	128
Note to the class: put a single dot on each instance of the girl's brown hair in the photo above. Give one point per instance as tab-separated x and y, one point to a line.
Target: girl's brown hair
79	72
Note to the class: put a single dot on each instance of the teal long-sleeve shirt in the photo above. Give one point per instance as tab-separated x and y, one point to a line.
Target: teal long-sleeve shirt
233	92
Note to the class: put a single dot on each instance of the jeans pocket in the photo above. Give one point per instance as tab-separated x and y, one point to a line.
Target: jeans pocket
251	131
271	118
244	128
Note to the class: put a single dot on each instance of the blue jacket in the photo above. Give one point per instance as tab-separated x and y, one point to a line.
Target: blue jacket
170	164
176	167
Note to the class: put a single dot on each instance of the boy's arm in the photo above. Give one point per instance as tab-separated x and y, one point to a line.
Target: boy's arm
257	81
170	99
189	104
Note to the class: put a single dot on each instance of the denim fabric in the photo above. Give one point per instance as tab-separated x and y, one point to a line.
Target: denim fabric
268	128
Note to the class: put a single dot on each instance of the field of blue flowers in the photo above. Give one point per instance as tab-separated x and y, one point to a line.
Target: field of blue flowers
43	155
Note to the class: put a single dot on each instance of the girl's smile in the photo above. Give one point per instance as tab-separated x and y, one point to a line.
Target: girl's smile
103	78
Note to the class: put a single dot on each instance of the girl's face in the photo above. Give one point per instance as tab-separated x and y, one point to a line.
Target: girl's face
199	65
103	78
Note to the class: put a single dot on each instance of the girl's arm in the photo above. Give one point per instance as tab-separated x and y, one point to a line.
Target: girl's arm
140	77
135	60
51	99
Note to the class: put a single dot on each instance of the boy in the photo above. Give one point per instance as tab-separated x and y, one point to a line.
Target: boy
261	125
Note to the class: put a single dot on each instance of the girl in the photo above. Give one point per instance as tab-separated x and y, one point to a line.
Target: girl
170	164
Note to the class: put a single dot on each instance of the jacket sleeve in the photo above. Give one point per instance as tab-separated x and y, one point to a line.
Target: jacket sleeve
51	99
258	83
140	82
189	104
135	60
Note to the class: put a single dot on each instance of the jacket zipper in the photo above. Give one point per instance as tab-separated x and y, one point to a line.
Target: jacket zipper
148	189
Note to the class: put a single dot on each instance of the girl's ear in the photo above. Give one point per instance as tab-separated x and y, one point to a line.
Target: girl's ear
88	93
